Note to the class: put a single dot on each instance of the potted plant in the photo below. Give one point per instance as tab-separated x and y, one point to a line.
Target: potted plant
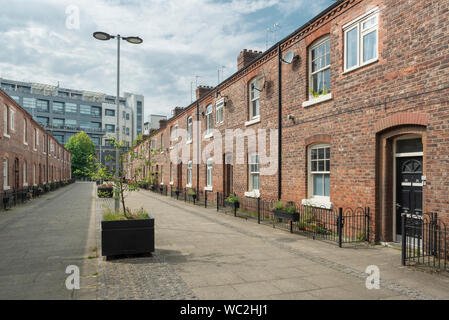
123	231
232	201
192	193
127	232
285	211
105	190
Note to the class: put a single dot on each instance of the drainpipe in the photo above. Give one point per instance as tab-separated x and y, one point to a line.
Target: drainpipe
279	122
198	147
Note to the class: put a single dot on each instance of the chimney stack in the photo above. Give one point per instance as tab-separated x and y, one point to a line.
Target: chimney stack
176	111
246	56
201	91
162	123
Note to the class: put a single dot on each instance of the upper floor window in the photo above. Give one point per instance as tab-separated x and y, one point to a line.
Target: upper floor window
25	131
219	111
209	120
361	41
189	128
253	100
11	120
84	109
5	120
58	107
110	113
319	68
110	128
42	105
71	108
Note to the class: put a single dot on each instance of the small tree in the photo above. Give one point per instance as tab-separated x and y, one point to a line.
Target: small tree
99	171
83	149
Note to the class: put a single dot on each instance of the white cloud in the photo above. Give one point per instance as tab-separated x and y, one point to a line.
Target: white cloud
182	38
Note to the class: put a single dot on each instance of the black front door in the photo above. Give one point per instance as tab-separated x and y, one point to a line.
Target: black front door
408	188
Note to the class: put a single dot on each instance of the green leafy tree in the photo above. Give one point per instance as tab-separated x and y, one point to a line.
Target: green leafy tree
83	149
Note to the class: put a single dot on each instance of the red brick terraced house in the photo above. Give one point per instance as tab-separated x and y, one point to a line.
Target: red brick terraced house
29	155
361	106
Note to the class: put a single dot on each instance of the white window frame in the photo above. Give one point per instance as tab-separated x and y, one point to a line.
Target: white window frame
316	200
328	95
253	88
209	166
12	118
6	174
24	178
189	173
219	111
209	120
358	23
5	121
25	131
35	139
189	129
251	162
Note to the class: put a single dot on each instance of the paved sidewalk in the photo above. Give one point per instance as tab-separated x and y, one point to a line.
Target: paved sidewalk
39	239
217	256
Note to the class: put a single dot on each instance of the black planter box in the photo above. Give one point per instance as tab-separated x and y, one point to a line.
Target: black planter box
232	204
292	216
106	192
127	237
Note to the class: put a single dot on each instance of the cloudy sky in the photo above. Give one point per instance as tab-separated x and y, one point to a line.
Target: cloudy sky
44	41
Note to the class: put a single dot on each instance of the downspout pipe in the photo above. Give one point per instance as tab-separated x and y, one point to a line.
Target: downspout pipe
198	147
279	122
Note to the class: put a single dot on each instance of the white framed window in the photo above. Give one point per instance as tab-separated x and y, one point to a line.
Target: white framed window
209	173
189	129
11	120
254	107
25	131
219	111
361	41
25	174
319	68
253	172
5	120
319	174
209	120
153	144
189	173
35	139
5	174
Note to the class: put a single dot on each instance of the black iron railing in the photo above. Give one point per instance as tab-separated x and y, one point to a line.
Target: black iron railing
339	225
14	197
425	241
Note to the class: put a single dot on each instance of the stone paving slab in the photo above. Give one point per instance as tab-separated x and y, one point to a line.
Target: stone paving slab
218	256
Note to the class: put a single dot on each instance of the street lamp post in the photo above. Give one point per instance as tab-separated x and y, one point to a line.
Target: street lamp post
135	40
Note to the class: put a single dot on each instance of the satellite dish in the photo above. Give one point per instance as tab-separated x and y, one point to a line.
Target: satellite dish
260	80
288	57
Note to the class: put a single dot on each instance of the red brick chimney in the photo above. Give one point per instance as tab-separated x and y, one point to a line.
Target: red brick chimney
162	123
246	56
176	111
201	91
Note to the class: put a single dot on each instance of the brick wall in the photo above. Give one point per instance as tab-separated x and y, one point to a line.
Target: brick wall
34	148
404	91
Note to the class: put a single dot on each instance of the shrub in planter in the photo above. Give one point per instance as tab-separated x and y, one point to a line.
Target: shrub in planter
285	211
176	191
232	201
105	190
192	193
130	232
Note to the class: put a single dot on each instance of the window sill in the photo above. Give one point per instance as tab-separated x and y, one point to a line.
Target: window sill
188	141
252	194
6	135
253	121
6	187
161	183
208	136
318	202
361	66
171	183
25	184
320	99
208	188
189	185
25	143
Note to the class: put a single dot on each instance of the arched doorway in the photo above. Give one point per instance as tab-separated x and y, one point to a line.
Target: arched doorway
400	177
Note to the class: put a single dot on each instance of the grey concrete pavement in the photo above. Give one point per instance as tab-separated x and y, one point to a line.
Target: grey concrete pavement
38	240
218	256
